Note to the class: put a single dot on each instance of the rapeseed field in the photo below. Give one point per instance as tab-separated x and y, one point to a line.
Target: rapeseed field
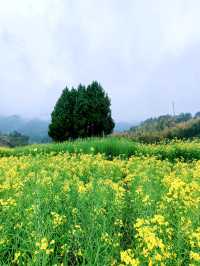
83	209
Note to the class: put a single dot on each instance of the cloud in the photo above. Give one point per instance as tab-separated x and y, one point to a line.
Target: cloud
137	49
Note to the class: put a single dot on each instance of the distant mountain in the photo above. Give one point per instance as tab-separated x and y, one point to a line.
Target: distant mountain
10	123
36	129
123	126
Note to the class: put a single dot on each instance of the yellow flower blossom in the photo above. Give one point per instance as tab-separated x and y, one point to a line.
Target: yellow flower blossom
127	258
16	257
58	219
195	256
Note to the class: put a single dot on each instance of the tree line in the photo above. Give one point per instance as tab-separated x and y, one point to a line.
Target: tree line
182	126
13	139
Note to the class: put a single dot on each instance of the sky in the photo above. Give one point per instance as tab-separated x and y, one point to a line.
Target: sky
145	54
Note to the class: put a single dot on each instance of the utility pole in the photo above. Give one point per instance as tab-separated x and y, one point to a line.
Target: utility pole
173	108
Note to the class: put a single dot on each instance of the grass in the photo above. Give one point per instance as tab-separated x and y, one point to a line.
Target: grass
113	147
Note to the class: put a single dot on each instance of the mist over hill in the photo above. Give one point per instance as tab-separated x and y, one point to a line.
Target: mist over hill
123	126
36	129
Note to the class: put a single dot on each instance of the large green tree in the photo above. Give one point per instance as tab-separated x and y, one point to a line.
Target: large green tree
81	112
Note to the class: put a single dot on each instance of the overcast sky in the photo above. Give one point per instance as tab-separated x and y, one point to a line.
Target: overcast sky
145	53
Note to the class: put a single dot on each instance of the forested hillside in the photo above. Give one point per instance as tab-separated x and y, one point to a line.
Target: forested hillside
182	126
13	139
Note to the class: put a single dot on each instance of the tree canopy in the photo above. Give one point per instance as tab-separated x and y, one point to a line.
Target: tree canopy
81	112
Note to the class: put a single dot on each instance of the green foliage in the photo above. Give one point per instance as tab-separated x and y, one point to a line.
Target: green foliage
182	126
13	139
113	147
17	139
162	122
81	112
189	129
4	141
